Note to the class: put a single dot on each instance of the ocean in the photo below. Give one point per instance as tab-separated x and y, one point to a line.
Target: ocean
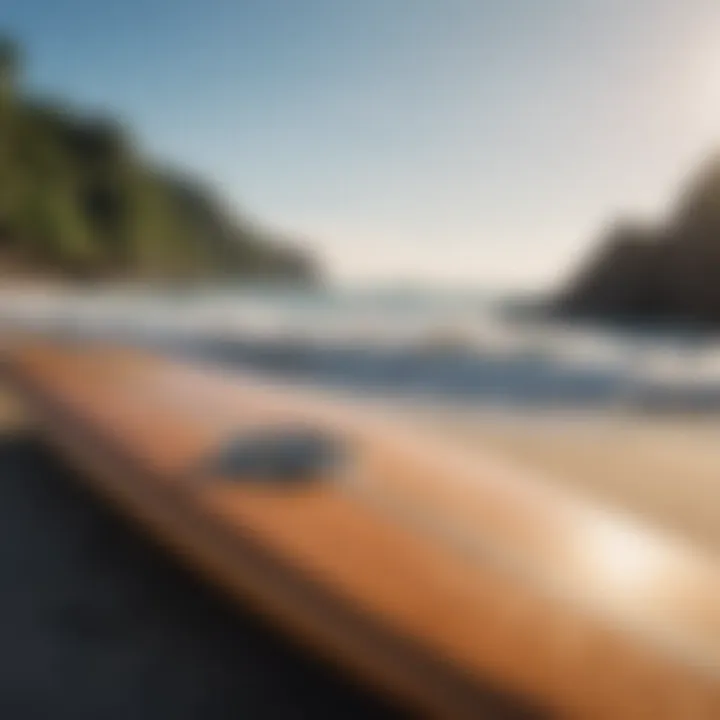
475	350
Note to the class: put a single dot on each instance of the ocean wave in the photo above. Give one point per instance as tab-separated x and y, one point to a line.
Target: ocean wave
464	351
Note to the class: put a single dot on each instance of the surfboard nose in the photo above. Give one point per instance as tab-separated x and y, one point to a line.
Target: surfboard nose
290	455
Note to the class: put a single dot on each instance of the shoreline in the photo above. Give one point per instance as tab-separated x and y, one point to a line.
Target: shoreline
660	467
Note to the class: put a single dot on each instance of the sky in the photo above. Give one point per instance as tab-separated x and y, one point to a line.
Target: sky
440	142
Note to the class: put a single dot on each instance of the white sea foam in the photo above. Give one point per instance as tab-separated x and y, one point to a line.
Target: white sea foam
462	346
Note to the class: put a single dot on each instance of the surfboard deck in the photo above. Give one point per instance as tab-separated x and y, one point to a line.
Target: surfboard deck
431	573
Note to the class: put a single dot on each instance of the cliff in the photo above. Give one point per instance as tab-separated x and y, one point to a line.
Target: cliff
79	200
666	273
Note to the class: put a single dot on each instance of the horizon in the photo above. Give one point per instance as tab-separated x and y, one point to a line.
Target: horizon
434	143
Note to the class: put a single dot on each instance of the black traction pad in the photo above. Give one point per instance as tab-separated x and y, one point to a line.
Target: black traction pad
283	456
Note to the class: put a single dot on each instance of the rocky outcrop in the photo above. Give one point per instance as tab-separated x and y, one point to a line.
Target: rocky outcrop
666	273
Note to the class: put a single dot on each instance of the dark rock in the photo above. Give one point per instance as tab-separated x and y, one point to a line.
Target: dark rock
668	273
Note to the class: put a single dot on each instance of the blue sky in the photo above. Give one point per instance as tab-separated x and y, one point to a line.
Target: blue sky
437	141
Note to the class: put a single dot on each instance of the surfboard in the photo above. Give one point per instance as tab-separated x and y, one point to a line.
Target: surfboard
449	578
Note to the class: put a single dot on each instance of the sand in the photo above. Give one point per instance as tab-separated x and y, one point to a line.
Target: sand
663	470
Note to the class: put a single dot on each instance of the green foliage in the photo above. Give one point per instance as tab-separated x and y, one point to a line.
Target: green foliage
77	198
9	63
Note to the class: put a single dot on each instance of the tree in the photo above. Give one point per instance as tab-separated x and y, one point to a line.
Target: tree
77	197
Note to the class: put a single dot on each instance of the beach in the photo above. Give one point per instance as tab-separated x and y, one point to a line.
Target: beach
102	623
662	470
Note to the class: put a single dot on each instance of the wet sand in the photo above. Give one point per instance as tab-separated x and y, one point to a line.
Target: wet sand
98	623
664	470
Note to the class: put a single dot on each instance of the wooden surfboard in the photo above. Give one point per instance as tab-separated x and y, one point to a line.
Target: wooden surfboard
431	572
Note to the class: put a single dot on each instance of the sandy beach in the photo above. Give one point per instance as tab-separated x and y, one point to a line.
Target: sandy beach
664	470
98	623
